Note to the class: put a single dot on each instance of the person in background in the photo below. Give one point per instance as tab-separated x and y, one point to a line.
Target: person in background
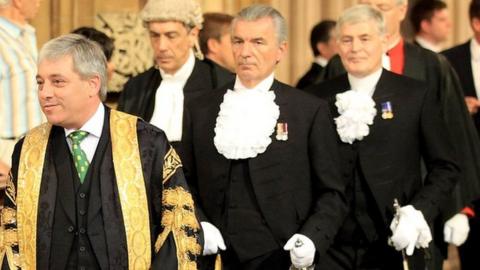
215	40
324	47
386	124
158	95
261	158
465	59
19	109
431	24
93	188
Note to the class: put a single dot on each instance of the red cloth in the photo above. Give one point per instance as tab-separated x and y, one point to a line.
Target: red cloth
468	211
397	58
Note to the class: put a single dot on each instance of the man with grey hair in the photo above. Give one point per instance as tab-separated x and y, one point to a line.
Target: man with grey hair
261	158
415	62
19	109
158	95
385	125
93	188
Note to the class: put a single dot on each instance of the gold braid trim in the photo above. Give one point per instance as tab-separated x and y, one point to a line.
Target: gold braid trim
171	163
29	179
10	189
131	187
8	238
9	216
179	218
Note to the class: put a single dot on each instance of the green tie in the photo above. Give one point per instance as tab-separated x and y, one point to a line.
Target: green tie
79	157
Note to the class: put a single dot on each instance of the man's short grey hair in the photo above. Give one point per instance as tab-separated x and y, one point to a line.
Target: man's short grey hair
88	58
362	13
256	12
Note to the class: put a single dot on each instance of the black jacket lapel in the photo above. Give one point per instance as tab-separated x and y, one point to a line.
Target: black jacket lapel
65	170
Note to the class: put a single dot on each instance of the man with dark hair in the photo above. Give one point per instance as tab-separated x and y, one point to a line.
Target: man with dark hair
465	59
323	47
431	23
215	39
262	160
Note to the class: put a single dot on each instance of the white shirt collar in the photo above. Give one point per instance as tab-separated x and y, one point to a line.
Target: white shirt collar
322	61
427	44
183	73
263	86
94	125
475	50
365	84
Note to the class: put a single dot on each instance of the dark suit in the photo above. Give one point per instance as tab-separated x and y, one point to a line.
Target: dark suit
82	225
437	73
313	76
386	165
460	59
295	184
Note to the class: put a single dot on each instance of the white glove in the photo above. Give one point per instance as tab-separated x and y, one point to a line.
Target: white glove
410	231
213	239
455	230
302	250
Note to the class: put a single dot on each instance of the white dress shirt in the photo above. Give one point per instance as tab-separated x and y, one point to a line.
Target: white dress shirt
475	53
94	127
365	84
168	111
320	60
427	44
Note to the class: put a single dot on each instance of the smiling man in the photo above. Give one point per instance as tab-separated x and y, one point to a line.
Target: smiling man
93	188
386	123
262	158
158	95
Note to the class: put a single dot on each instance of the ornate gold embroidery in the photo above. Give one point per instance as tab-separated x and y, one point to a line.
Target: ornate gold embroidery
179	218
9	216
10	189
30	170
131	187
10	237
170	164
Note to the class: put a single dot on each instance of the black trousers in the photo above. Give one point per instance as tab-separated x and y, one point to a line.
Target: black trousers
275	260
469	251
364	256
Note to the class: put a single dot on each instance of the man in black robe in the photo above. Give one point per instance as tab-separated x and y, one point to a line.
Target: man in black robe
415	62
93	188
158	95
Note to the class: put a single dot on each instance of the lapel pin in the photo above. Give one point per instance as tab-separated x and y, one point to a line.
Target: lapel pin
387	112
282	132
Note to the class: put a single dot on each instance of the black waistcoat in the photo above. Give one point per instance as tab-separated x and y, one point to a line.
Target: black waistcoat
246	230
363	223
72	245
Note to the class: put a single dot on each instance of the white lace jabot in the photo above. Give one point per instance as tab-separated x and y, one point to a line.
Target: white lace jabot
246	120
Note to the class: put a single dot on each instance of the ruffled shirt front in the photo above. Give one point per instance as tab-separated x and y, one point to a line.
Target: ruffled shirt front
246	120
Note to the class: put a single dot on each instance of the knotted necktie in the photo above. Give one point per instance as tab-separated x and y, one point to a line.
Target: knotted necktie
79	156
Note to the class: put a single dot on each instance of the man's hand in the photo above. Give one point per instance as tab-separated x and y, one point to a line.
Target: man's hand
410	231
213	239
472	104
302	250
456	229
